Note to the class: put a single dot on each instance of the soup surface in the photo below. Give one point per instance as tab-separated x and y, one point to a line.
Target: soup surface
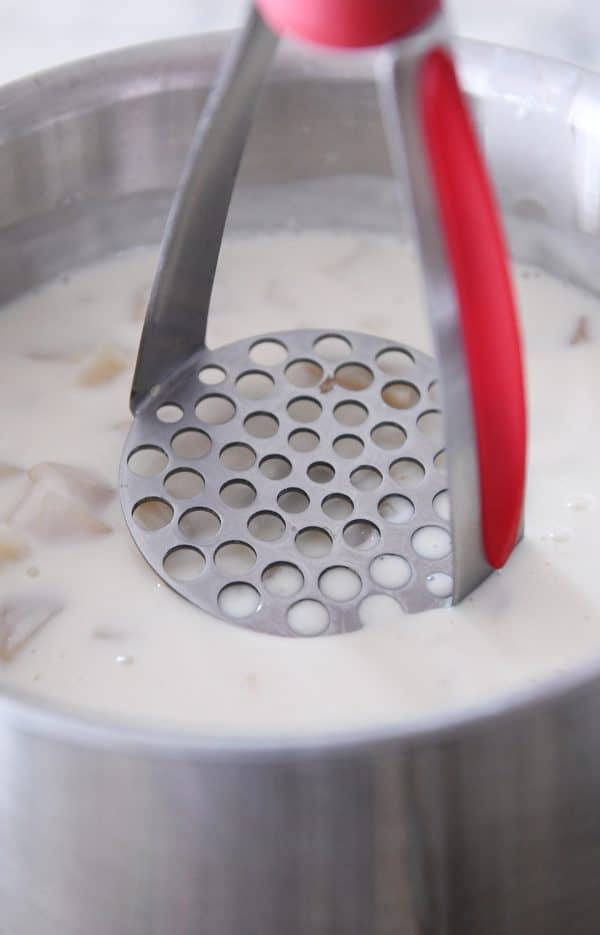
84	622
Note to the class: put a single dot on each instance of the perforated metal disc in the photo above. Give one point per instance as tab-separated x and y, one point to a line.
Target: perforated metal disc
278	481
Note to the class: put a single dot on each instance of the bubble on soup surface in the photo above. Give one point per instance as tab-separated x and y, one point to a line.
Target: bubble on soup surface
579	504
21	616
105	364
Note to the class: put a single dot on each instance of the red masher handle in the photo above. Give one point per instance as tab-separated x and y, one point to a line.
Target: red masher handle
490	331
346	23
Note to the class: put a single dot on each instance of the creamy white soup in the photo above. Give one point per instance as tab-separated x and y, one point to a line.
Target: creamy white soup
84	622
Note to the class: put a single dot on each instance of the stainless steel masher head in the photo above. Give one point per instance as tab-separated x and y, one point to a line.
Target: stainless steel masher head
279	480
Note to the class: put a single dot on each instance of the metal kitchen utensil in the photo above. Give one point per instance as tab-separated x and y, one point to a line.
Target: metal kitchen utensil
277	481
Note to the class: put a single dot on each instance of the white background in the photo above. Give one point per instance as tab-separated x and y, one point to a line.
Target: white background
35	34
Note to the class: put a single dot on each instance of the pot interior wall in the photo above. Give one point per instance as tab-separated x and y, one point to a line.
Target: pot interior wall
88	163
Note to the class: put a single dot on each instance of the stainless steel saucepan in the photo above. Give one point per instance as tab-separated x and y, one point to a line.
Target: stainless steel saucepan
487	824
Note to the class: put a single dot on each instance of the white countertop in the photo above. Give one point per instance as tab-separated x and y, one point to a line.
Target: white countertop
38	35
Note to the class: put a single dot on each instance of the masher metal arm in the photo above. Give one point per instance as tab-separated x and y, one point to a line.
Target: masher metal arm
470	299
177	314
464	261
399	67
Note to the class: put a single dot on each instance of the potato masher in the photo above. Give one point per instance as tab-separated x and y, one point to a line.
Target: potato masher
277	481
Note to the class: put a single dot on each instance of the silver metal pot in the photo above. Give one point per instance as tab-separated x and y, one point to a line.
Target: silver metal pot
486	824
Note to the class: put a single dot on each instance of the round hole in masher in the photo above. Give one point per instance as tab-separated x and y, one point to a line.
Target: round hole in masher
332	347
340	583
400	395
169	412
293	500
361	534
354	376
212	375
439	584
366	478
267	526
239	600
234	558
199	524
147	461
254	384
431	424
388	435
152	514
441	505
314	542
303	440
282	579
395	508
308	618
184	563
191	444
261	425
407	472
237	456
268	352
304	409
394	361
350	413
348	446
215	409
390	571
275	467
184	484
432	542
337	506
304	373
320	472
238	494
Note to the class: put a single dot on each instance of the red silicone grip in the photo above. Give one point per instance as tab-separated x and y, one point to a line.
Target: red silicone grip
346	23
490	330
